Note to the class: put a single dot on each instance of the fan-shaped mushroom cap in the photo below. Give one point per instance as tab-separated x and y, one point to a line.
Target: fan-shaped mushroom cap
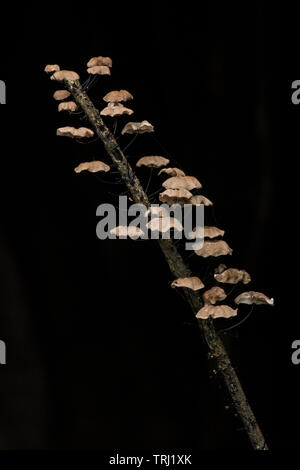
92	167
252	297
172	172
114	111
70	106
216	311
175	196
157	211
84	132
193	283
209	232
99	70
137	127
197	200
214	248
233	276
51	68
152	162
131	231
94	61
213	295
65	75
117	96
182	182
73	132
59	95
163	224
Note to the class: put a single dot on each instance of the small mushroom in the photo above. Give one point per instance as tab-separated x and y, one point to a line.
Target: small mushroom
209	232
198	200
60	95
115	111
65	75
131	231
182	182
137	128
70	106
172	172
51	68
152	162
94	61
233	276
72	132
216	311
118	96
175	196
193	283
214	248
252	297
164	224
213	295
220	268
99	70
92	167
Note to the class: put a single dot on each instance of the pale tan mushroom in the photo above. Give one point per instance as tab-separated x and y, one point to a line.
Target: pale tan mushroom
198	200
172	172
118	96
182	182
214	248
175	196
84	132
99	70
60	95
252	297
193	283
209	232
213	295
51	68
233	276
70	106
94	61
72	132
152	162
115	111
216	311
92	167
65	75
137	128
123	231
164	224
220	268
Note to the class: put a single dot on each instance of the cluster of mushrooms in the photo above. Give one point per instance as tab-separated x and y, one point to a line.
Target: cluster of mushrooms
177	187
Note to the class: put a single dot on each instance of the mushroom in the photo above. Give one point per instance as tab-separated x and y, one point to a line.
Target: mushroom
99	70
152	162
92	167
60	95
252	297
67	106
216	311
182	182
117	96
213	295
198	200
157	211
65	75
172	172
220	268
131	231
51	68
94	61
193	283
209	232
176	196
115	111
214	248
233	276
164	224
137	128
72	132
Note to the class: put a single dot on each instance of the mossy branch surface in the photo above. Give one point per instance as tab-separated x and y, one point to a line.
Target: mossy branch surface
217	352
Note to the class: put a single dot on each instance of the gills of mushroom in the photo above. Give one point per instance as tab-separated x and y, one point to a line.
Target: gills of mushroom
137	128
193	283
213	295
176	196
99	70
233	276
115	111
251	297
152	162
92	167
216	311
182	182
172	172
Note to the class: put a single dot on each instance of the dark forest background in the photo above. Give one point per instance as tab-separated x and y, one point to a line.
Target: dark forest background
100	351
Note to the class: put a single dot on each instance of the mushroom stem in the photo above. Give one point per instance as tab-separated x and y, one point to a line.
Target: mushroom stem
178	268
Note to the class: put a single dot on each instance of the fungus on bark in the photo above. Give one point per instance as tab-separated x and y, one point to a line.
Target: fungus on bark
115	111
214	248
182	182
92	167
152	162
95	61
69	106
137	128
99	70
193	283
60	95
164	224
124	231
117	96
209	232
198	200
252	297
233	276
216	311
213	295
72	132
50	68
172	172
65	75
175	196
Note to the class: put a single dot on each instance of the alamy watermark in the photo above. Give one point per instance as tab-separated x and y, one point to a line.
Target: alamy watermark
296	354
2	92
2	352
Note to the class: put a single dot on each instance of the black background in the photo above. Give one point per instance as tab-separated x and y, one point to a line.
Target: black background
101	351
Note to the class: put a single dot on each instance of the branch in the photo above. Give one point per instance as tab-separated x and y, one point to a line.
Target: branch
178	268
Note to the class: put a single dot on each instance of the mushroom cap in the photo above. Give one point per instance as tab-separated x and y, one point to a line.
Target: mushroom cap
182	182
152	162
59	95
137	128
172	172
70	106
117	96
216	311
197	200
175	196
157	211
214	248
124	231
213	295
193	283
114	111
84	132
252	297
164	224
220	268
94	61
51	68
209	232
65	75
72	132
233	276
92	167
99	70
